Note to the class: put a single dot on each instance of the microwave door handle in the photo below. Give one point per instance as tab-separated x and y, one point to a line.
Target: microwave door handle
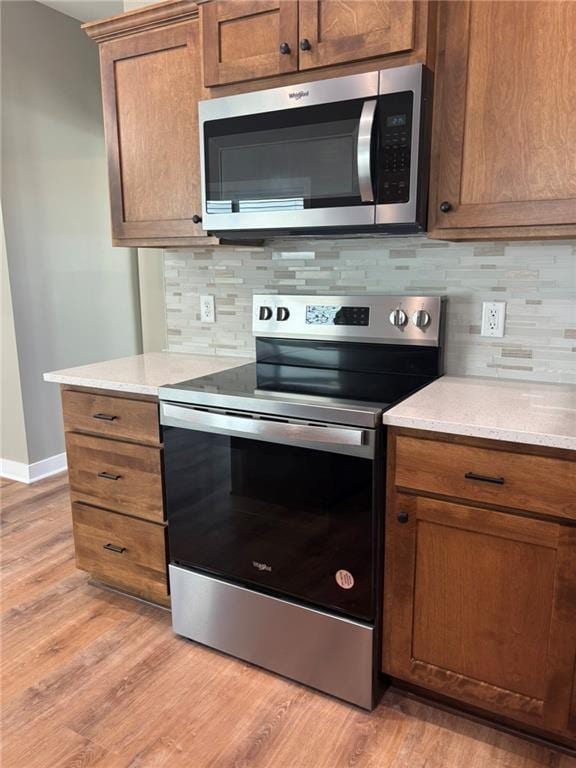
363	151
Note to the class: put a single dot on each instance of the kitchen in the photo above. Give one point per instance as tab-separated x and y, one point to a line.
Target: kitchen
327	517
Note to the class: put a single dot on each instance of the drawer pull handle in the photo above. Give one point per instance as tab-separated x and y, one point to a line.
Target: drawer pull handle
104	417
109	476
114	548
484	478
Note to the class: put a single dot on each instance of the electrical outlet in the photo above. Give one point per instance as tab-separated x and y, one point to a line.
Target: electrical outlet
207	309
493	316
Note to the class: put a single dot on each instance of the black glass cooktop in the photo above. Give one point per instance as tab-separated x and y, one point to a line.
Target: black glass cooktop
342	382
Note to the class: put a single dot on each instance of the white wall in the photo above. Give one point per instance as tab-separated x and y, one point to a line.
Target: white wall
13	447
152	299
75	298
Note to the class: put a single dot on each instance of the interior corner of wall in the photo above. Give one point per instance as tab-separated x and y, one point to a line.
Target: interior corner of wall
152	299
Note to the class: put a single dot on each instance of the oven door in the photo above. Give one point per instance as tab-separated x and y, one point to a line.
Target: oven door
319	156
285	507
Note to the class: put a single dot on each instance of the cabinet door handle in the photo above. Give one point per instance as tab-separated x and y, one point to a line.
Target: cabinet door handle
114	548
104	417
484	478
284	48
109	476
403	517
305	44
445	206
196	219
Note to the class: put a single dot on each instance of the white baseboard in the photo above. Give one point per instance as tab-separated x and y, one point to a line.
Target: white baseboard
30	473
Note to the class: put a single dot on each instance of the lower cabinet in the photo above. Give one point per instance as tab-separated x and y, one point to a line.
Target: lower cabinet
480	603
115	469
122	551
120	476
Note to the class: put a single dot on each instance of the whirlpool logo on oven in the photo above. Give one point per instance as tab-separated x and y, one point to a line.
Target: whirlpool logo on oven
298	95
262	566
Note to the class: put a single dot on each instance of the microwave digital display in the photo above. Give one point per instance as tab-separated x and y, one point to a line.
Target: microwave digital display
395	121
322	314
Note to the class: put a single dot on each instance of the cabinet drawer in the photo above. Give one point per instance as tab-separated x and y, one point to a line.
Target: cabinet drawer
121	551
119	476
533	483
111	416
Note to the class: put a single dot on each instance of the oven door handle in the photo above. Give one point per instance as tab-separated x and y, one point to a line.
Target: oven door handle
363	151
330	438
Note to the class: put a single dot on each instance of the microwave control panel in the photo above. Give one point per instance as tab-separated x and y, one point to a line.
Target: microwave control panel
395	142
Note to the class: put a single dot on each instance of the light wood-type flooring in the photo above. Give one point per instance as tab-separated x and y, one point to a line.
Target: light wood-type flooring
93	678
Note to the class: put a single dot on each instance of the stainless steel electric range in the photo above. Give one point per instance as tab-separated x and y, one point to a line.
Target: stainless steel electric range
274	476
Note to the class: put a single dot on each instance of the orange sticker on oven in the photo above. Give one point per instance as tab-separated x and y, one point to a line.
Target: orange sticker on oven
344	579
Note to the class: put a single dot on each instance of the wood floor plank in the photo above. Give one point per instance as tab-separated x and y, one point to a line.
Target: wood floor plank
94	678
15	495
50	749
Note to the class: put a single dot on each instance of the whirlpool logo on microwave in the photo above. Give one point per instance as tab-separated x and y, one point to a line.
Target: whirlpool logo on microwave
262	566
297	95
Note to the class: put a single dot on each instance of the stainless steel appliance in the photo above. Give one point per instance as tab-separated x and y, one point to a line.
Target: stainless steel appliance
274	475
343	156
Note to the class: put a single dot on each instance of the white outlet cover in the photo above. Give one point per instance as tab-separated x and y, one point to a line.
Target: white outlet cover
493	318
207	309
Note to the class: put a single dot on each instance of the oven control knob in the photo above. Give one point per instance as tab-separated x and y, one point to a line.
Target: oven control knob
282	313
421	318
265	313
398	317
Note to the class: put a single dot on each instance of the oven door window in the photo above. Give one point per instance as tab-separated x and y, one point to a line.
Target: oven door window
287	520
291	159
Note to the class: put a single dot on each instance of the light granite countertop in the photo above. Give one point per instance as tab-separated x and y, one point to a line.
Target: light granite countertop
144	374
516	411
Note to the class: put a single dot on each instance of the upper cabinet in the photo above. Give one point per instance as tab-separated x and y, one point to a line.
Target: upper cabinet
151	84
505	129
502	164
338	31
246	40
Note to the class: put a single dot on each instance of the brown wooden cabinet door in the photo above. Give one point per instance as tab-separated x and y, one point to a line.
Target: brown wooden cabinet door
480	606
151	83
504	128
340	31
244	39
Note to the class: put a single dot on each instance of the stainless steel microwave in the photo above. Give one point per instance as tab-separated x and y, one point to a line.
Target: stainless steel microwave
346	156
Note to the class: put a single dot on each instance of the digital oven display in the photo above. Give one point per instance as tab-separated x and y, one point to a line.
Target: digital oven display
322	314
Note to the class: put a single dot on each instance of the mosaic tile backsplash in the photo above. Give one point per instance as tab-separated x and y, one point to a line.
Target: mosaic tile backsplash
537	280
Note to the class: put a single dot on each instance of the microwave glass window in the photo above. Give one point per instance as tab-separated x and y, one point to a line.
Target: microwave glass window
284	160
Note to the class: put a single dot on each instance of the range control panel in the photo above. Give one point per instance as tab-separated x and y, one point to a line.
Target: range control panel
370	318
326	314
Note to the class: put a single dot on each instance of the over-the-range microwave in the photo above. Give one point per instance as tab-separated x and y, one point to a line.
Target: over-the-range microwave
340	157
